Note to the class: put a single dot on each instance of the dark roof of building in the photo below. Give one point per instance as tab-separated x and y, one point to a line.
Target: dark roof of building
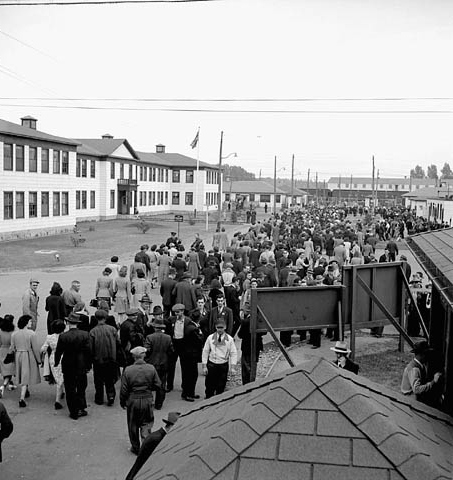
430	192
313	421
250	186
172	160
296	191
103	147
382	180
13	129
435	252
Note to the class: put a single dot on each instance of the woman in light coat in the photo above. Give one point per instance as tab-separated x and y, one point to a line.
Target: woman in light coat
27	354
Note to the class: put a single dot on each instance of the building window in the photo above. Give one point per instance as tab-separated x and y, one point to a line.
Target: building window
32	159
33	204
20	205
44	204
347	185
44	160
92	199
141	174
84	200
355	185
112	197
92	169
265	198
8	209
252	197
381	186
20	164
77	199
7	157
153	198
56	161
189	198
122	171
65	203
166	198
189	176
130	172
78	167
145	174
166	175
278	198
175	176
161	175
175	198
84	167
65	163
112	170
56	204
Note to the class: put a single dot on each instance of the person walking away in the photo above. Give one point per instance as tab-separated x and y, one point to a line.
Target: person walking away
159	349
55	374
7	370
55	306
137	385
219	354
72	297
166	292
6	426
150	443
27	357
122	293
105	345
30	301
73	350
131	334
104	286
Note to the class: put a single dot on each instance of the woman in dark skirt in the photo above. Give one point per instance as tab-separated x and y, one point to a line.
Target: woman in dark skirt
55	306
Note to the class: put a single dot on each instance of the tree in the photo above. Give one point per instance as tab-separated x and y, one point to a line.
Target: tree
432	172
446	171
237	173
417	172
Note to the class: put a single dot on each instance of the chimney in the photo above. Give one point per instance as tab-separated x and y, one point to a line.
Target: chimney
160	148
29	122
107	136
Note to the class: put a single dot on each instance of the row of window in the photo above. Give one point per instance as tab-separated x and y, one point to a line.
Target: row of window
81	167
212	177
150	174
153	198
381	186
15	204
14	159
81	199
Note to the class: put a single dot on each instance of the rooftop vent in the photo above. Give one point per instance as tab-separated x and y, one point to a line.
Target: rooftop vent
29	122
160	148
107	136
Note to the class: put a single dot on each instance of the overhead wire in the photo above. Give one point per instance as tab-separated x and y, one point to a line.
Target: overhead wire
20	3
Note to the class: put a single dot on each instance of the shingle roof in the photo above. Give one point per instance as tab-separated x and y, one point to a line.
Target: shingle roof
313	421
250	186
172	160
13	129
435	251
103	147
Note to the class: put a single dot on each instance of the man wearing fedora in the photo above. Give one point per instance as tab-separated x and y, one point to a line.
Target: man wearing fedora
342	360
143	317
131	334
415	376
30	302
150	443
159	350
74	347
136	395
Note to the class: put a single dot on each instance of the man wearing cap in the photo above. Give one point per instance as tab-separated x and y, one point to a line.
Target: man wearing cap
159	350
137	385
171	239
72	296
342	360
415	376
30	301
150	443
219	354
74	347
131	334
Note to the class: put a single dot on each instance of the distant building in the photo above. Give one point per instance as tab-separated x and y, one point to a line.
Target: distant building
432	203
253	193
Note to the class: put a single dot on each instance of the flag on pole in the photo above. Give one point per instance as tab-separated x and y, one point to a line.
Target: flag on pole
195	140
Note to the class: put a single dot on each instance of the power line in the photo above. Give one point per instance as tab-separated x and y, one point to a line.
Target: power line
11	73
27	45
215	110
20	3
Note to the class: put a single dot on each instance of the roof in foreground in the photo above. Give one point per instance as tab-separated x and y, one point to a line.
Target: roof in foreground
14	129
435	251
172	160
250	186
313	421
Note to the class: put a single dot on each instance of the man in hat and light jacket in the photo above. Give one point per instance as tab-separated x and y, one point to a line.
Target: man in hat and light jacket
136	395
150	443
342	360
74	347
30	302
159	350
415	376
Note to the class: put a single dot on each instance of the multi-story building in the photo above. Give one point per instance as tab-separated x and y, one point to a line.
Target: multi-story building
50	183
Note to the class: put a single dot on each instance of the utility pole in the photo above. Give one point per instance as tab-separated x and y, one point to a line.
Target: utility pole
324	194
372	190
275	184
292	181
308	182
219	180
339	189
350	188
317	199
376	189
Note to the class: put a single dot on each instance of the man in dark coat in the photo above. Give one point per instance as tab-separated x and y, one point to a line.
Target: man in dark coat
137	385
74	346
166	292
143	257
131	334
342	360
184	293
6	426
221	311
104	346
150	443
159	350
180	266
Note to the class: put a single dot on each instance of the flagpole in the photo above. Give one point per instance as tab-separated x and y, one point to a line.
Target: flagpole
198	171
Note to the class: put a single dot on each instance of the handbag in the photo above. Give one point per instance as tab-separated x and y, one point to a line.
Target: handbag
94	302
9	358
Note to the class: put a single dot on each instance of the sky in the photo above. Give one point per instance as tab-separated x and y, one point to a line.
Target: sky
151	72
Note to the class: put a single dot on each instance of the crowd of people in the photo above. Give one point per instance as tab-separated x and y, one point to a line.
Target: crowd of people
205	293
